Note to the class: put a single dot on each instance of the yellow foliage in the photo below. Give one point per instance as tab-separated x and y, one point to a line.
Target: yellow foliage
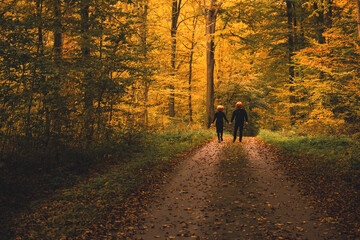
322	121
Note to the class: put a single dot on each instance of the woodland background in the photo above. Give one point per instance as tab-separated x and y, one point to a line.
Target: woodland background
82	80
79	75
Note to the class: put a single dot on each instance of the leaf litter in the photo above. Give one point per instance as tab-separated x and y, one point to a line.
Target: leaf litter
233	191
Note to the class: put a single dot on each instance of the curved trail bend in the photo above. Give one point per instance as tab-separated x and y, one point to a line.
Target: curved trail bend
231	191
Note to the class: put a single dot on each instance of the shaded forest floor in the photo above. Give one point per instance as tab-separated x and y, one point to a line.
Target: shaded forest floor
88	199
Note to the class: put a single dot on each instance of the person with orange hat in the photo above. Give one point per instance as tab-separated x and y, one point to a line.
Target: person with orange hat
240	117
219	117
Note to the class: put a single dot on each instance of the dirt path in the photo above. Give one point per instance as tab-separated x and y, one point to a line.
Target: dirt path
231	191
182	205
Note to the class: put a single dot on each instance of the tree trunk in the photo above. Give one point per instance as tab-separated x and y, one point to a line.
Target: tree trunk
58	38
58	52
302	26
358	16
291	46
174	26
319	23
45	90
40	43
30	97
210	62
320	29
210	15
143	38
85	49
329	14
190	68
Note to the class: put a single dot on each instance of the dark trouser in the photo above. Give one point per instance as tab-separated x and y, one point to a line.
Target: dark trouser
239	126
219	130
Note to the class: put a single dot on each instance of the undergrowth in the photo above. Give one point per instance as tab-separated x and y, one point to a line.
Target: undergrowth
91	206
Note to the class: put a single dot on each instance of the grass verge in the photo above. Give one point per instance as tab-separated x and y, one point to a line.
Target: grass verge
99	205
333	153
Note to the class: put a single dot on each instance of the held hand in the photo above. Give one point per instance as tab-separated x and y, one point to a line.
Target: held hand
230	123
247	123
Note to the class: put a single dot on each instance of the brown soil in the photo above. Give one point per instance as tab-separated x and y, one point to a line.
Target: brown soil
232	191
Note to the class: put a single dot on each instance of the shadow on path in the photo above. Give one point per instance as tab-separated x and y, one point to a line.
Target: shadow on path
231	191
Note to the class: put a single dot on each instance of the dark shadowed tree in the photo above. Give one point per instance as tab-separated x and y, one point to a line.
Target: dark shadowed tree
210	13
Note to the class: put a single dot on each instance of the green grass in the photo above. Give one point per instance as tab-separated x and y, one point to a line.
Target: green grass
331	147
86	208
340	152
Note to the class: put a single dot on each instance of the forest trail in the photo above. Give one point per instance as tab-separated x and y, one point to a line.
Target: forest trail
231	191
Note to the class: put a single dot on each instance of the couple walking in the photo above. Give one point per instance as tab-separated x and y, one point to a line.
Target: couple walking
239	115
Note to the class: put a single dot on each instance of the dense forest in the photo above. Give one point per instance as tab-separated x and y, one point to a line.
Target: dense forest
78	73
83	79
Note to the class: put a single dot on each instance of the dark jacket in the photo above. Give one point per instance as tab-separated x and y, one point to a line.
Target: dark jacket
219	117
240	115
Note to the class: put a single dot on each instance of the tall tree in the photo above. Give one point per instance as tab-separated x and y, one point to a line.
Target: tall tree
329	14
319	21
358	16
87	77
144	9
191	49
291	23
175	13
58	62
210	13
58	36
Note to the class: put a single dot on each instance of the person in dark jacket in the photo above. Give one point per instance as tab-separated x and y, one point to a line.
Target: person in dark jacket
240	117
219	117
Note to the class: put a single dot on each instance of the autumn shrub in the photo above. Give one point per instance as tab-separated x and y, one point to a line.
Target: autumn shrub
322	122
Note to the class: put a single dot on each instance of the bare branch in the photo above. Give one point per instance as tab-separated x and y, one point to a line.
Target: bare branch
7	7
217	8
204	7
183	20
